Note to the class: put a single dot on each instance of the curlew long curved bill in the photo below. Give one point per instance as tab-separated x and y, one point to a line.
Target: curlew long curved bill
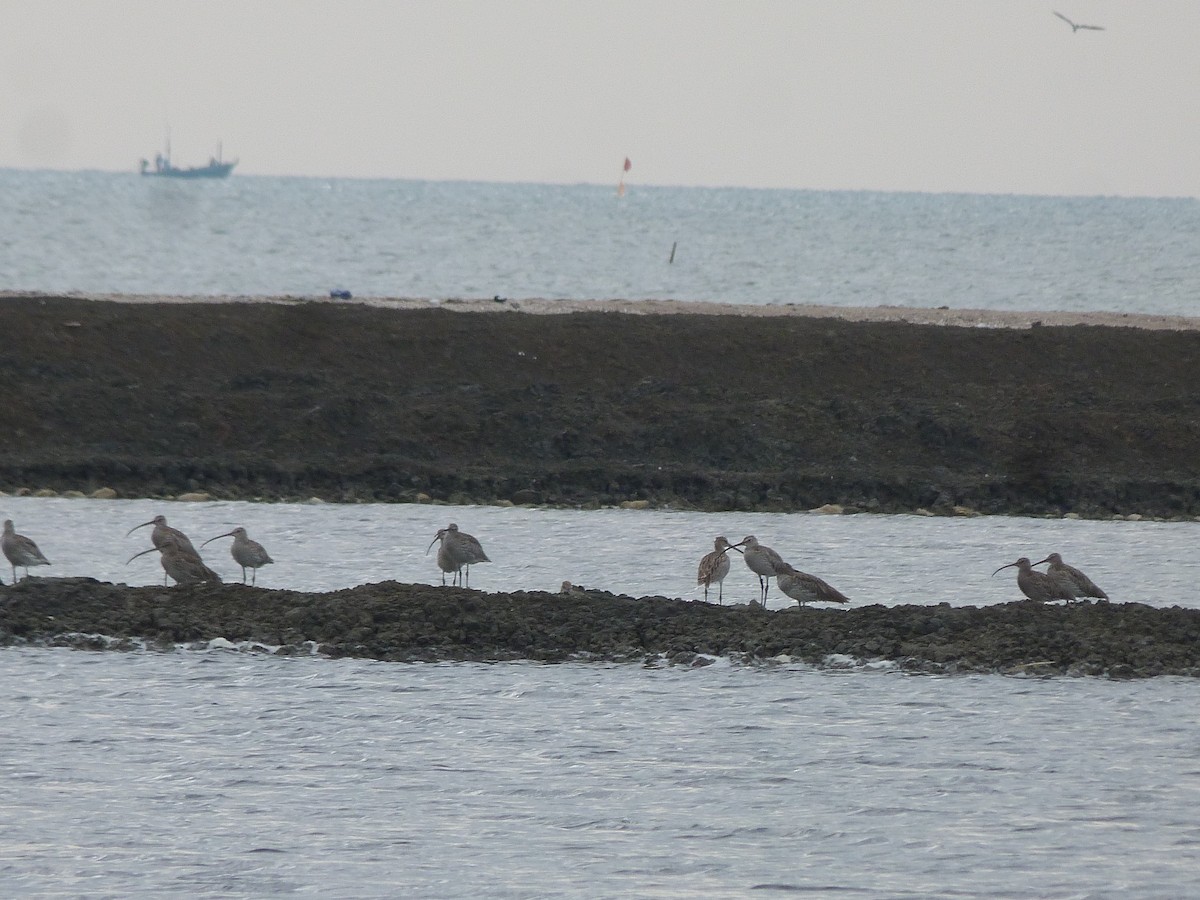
211	539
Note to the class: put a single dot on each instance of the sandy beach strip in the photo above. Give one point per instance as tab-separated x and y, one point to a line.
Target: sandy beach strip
963	318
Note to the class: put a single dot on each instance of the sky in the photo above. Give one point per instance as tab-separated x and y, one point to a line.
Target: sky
896	95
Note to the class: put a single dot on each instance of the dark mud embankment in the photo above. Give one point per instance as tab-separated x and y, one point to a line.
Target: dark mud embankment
402	622
714	412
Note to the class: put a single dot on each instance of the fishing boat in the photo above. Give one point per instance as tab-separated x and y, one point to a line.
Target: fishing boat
164	168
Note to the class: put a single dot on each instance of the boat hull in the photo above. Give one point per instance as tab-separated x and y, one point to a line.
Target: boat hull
215	170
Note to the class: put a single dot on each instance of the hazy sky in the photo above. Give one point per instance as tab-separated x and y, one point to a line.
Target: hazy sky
911	95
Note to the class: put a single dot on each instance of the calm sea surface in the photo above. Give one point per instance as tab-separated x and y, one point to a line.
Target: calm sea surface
227	773
230	774
880	559
218	772
119	232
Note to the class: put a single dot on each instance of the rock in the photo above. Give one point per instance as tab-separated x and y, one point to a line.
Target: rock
604	405
635	504
194	497
104	493
829	509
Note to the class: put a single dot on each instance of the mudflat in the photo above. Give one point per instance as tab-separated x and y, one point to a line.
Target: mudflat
694	406
417	622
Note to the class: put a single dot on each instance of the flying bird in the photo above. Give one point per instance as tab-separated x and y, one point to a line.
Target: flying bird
1075	27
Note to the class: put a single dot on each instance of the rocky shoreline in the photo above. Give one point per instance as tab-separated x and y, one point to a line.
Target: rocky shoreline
420	623
780	410
646	404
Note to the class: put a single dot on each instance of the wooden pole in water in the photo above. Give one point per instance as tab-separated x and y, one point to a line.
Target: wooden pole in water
673	245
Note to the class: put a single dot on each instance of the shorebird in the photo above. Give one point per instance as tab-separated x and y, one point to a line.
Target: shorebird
1075	581
246	553
1075	27
714	567
805	588
20	550
459	550
183	565
1038	586
762	561
161	534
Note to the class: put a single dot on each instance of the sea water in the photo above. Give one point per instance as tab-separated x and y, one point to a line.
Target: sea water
233	773
237	774
872	559
98	232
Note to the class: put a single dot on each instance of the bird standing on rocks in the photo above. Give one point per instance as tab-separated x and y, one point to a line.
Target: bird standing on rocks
1075	581
20	550
162	533
183	565
459	551
805	588
1038	586
246	553
714	567
762	561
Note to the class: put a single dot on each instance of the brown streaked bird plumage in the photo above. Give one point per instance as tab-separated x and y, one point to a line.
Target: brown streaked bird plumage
1038	586
20	550
246	553
183	565
714	567
1075	581
805	588
162	533
458	551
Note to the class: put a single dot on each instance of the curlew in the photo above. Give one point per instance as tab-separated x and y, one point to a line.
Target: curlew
1074	580
459	551
1075	27
762	561
805	588
714	567
1038	586
246	553
183	565
162	533
20	550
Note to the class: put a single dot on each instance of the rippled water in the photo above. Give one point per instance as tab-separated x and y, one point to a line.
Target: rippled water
234	775
870	558
119	233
